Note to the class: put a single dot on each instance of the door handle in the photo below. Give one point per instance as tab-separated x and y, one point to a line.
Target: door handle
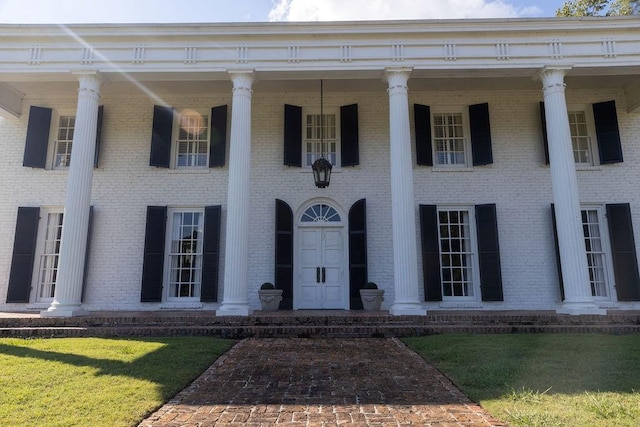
317	274
323	275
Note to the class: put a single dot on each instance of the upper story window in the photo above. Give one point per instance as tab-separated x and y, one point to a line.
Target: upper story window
64	141
188	138
309	135
192	140
449	141
581	137
321	138
453	137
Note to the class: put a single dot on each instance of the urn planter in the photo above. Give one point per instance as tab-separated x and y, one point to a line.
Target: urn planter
269	297
371	297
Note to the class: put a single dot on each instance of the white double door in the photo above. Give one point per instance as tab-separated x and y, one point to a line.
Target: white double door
322	282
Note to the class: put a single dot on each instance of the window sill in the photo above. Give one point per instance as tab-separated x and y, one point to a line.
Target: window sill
186	305
452	169
335	169
461	304
191	171
588	168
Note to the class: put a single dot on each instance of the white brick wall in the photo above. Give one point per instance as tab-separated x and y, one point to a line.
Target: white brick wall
518	182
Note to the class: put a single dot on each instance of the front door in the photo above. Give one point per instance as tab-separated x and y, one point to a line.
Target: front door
321	270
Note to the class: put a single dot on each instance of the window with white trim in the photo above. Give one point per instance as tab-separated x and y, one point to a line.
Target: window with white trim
458	249
450	130
596	243
46	274
63	141
321	137
581	140
184	257
192	139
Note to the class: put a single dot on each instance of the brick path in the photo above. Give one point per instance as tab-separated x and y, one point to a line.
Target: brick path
320	382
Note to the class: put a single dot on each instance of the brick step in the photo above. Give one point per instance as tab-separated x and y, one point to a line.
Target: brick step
345	331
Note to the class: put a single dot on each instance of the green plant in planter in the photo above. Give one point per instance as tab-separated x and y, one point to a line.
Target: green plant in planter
370	285
269	296
371	297
267	285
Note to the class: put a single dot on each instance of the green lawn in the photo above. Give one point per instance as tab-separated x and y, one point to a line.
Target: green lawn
96	382
544	380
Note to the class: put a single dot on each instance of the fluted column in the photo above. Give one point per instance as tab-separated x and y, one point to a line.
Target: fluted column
403	215
235	300
73	244
564	182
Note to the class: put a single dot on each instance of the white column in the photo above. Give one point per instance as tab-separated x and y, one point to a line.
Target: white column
403	215
564	182
235	300
73	244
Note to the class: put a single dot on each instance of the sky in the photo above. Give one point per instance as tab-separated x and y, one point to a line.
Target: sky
183	11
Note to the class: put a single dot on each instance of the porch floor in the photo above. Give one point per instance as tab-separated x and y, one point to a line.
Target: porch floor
312	323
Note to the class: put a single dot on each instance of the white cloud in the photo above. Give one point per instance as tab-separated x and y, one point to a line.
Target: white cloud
345	10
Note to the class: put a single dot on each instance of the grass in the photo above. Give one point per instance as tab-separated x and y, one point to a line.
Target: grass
94	381
544	380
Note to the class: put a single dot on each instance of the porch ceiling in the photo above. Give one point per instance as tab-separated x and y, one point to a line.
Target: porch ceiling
431	80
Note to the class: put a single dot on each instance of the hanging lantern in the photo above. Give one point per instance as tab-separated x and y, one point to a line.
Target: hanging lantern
321	172
322	167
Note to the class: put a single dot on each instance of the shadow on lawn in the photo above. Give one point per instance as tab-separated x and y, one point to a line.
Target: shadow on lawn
152	366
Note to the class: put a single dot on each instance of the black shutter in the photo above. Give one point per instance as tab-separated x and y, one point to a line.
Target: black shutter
86	255
623	251
480	134
24	249
96	156
153	263
422	124
292	136
430	252
557	247
210	254
161	136
349	135
545	137
218	147
35	149
358	275
284	253
489	253
607	132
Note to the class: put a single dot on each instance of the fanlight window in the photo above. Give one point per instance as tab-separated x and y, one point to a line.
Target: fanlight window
320	213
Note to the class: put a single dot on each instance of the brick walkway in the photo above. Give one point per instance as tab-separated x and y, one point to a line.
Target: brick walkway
320	382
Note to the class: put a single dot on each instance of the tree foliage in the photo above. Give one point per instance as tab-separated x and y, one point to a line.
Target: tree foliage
599	8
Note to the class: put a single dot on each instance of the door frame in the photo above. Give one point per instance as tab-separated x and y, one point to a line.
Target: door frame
342	225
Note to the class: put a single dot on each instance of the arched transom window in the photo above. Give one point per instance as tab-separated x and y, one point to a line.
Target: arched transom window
320	213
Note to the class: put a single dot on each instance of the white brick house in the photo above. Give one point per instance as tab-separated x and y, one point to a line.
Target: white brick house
155	167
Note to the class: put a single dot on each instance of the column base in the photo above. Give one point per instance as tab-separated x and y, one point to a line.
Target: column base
407	309
64	311
233	309
577	308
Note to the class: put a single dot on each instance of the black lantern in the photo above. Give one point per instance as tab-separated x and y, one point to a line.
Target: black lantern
322	167
321	172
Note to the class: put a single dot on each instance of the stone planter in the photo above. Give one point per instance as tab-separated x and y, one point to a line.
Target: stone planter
372	299
270	299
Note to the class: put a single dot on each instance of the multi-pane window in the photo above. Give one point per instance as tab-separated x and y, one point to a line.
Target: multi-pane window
192	147
321	138
48	263
185	256
580	138
64	140
456	253
596	256
448	138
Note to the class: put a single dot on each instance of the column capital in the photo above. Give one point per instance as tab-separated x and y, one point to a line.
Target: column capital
552	77
397	78
242	79
90	83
